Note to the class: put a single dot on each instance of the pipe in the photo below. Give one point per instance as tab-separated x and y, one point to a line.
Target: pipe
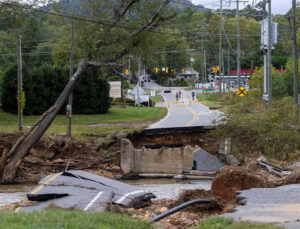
178	208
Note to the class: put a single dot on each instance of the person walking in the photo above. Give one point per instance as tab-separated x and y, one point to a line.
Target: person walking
177	95
193	95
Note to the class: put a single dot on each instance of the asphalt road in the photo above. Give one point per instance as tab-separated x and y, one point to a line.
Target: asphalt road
279	205
186	113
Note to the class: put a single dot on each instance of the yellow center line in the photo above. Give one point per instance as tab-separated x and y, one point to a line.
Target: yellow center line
41	187
196	116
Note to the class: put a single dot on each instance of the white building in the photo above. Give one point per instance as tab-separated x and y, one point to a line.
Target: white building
188	73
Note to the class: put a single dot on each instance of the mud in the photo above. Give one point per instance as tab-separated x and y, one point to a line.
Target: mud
54	154
205	141
185	218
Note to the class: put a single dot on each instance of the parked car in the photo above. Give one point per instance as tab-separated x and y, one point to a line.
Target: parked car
167	90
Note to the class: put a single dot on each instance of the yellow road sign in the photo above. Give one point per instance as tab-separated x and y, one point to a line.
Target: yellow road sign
242	92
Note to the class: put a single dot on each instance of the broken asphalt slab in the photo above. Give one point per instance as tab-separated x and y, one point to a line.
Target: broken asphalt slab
279	205
85	191
204	161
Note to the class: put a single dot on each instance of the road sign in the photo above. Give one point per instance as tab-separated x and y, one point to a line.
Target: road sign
242	92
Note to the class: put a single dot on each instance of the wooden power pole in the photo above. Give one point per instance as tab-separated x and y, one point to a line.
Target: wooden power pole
69	107
20	86
295	56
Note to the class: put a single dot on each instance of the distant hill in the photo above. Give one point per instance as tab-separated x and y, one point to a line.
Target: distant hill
182	4
76	5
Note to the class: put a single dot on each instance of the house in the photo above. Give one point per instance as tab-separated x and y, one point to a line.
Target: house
188	73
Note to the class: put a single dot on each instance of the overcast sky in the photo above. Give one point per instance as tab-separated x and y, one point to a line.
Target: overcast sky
278	6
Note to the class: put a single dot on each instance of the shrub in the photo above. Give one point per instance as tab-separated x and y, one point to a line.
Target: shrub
43	85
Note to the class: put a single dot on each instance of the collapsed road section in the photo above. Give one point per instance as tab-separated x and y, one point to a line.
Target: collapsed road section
80	190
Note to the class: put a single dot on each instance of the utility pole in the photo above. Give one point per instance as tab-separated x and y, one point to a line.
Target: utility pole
228	67
202	52
238	43
20	86
270	55
295	55
205	77
129	63
122	82
220	47
69	106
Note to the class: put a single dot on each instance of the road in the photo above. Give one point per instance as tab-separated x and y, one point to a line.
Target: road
279	205
186	113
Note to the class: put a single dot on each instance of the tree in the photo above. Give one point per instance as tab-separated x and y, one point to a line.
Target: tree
96	36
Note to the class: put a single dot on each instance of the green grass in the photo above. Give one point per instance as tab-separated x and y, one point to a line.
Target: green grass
59	219
157	99
210	100
222	223
8	122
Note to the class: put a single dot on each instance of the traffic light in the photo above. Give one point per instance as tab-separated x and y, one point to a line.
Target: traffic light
183	70
156	70
174	72
167	70
127	72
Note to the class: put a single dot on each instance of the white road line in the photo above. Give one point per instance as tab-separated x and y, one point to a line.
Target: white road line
93	201
165	118
119	201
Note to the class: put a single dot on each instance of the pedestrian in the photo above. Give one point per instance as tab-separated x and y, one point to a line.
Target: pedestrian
193	95
177	96
179	93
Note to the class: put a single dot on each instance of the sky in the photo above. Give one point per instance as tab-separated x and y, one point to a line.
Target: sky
278	6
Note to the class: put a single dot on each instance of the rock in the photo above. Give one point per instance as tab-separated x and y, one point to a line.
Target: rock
295	165
188	222
232	179
231	160
262	158
163	209
59	161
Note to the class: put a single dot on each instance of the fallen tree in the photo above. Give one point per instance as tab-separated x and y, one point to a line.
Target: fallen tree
10	161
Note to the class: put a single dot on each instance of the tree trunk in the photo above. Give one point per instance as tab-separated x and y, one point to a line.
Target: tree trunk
27	141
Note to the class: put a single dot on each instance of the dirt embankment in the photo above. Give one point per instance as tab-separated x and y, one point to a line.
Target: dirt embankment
53	154
186	218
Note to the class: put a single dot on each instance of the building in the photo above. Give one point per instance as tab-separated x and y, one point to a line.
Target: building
188	73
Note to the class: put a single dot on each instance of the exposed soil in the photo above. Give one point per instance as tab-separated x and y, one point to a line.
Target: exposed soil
54	154
185	218
204	141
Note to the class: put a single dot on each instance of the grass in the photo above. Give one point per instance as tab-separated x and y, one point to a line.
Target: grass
210	100
223	223
157	99
59	219
8	122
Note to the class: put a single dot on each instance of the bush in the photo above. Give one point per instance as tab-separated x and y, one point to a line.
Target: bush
44	84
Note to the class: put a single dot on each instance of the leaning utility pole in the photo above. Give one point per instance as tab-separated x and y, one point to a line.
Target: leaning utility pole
295	56
20	86
69	106
270	55
220	47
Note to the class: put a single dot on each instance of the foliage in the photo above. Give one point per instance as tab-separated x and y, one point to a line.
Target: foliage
269	132
224	223
181	83
56	219
43	85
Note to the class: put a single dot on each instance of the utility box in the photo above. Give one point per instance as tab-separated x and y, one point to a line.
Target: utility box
265	33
